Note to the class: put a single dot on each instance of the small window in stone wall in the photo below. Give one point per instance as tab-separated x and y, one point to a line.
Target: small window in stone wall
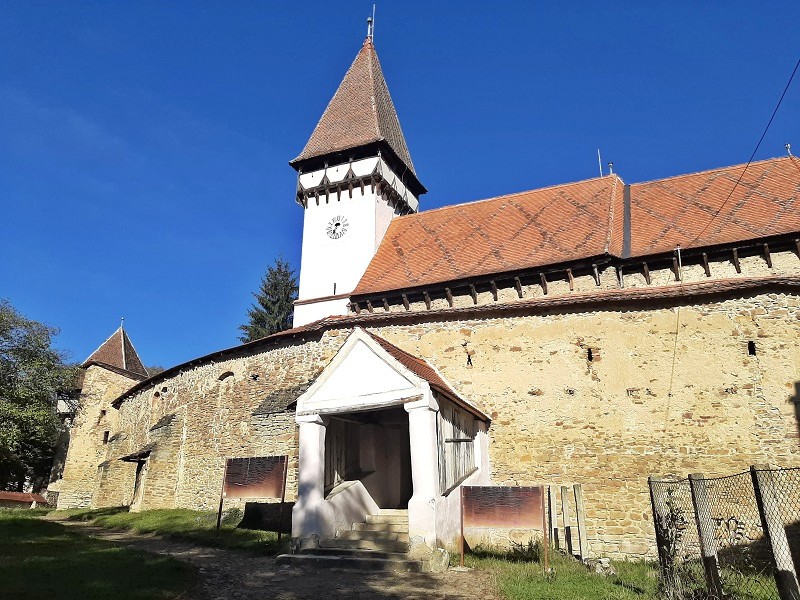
105	436
751	348
589	355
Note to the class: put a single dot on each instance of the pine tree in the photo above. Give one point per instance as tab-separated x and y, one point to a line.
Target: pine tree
274	306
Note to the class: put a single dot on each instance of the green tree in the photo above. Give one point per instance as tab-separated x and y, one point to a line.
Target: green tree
33	376
274	306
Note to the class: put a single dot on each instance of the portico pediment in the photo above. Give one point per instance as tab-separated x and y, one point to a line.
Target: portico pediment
362	376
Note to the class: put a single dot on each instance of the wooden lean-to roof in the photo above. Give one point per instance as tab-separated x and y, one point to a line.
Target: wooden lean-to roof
118	353
583	220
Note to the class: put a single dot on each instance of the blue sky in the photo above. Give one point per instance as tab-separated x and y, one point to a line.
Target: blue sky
144	145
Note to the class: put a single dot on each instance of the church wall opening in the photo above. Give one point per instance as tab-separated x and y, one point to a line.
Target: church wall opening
371	447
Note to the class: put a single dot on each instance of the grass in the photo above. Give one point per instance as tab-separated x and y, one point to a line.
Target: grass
196	526
520	580
42	559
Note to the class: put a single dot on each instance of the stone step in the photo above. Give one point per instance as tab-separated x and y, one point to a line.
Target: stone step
400	512
385	527
391	519
354	552
372	535
378	545
320	561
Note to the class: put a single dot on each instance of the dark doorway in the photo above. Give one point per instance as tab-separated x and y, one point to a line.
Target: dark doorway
372	447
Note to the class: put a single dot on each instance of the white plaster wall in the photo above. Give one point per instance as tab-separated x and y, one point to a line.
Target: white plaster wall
351	505
308	313
363	378
331	267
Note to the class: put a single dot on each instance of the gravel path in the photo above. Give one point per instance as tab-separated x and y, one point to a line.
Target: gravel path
224	574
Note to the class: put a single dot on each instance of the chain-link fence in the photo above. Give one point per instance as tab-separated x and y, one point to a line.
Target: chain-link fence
734	537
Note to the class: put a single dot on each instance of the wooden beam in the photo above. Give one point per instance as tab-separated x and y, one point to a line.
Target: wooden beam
518	286
361	181
543	279
386	305
474	293
427	298
406	305
676	268
356	306
596	275
449	295
620	278
369	306
494	290
706	266
736	260
571	280
797	247
646	270
767	256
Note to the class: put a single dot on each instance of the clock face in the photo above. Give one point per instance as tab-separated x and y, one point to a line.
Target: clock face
336	227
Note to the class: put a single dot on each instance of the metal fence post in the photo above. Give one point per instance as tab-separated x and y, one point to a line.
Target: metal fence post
769	508
705	532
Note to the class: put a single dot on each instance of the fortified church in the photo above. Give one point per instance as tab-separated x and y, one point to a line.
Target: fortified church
594	332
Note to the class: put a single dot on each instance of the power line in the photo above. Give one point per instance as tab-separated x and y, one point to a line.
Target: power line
716	214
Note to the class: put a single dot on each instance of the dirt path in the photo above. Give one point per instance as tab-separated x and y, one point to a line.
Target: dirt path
225	574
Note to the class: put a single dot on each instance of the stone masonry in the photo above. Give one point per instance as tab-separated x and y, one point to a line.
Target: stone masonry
669	388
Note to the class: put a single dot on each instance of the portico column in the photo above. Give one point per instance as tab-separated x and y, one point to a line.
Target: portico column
307	520
424	472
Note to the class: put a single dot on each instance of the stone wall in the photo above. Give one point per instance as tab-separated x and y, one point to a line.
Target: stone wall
598	397
192	421
94	417
646	402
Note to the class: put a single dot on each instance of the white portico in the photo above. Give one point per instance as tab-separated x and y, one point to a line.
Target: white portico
381	429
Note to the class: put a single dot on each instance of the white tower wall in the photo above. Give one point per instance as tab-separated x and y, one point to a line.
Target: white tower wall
334	257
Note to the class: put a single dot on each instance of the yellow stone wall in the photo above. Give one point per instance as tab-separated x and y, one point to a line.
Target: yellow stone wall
86	451
649	402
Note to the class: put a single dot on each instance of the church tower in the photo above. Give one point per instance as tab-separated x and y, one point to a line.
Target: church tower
354	176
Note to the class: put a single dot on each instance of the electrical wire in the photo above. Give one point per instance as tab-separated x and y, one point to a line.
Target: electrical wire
719	210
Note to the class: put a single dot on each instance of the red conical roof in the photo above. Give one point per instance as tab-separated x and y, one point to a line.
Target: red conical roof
361	112
118	352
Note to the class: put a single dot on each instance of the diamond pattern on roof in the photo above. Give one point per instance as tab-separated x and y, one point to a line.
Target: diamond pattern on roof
577	221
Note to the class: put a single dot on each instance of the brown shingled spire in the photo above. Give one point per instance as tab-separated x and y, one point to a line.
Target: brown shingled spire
118	352
361	112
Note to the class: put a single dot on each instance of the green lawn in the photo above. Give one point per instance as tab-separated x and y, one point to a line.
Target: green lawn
568	579
196	526
41	559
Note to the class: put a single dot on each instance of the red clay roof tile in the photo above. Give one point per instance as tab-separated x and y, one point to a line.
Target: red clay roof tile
118	351
361	112
581	220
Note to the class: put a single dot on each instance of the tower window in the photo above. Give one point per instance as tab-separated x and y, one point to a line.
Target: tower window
751	348
105	437
589	355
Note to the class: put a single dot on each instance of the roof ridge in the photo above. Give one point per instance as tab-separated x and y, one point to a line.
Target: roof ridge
728	168
509	195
